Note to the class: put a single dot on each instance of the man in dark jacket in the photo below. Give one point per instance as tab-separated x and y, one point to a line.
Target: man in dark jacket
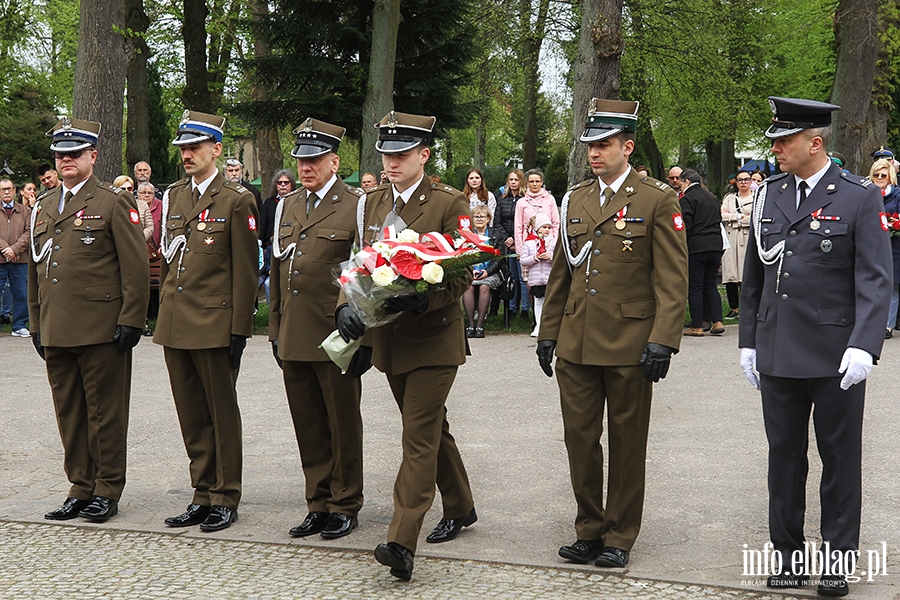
702	223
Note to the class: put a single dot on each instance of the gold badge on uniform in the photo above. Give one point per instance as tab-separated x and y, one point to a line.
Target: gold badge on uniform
620	224
201	226
77	222
209	241
626	245
814	225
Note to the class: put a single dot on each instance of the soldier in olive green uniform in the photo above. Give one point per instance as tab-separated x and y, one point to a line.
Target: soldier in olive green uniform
422	349
87	297
314	229
209	283
614	314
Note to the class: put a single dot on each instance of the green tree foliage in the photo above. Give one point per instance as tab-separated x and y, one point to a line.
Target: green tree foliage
25	115
162	127
319	61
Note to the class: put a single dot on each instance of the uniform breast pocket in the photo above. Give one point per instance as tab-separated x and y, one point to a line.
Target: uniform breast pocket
174	227
630	244
577	236
285	233
830	243
770	233
91	238
39	230
333	245
212	238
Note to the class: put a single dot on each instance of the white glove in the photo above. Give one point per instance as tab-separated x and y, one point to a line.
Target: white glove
857	364
748	364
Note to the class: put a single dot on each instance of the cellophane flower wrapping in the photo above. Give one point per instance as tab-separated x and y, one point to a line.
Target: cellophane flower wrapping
401	262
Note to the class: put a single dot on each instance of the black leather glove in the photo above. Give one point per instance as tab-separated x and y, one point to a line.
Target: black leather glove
236	350
656	359
361	362
128	337
36	340
545	349
417	302
275	354
349	325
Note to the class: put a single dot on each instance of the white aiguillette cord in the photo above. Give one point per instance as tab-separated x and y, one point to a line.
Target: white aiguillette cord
46	249
168	251
774	254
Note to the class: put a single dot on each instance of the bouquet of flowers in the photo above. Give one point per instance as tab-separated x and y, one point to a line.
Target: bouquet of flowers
893	223
398	264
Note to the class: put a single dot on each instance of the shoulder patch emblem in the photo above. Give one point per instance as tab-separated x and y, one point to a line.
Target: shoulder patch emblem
465	222
133	216
251	223
678	222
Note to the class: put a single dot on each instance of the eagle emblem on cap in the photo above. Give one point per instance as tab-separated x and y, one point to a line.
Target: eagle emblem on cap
772	106
392	120
185	117
308	125
66	123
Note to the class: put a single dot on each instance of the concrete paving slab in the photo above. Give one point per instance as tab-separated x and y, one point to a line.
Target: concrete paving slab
706	503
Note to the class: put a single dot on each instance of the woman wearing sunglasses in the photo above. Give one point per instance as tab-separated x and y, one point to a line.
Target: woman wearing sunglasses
884	176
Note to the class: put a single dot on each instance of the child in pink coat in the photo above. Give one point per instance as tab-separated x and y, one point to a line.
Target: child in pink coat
537	255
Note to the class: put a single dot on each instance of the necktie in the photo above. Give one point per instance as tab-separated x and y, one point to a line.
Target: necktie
65	201
311	203
802	187
195	197
399	204
607	195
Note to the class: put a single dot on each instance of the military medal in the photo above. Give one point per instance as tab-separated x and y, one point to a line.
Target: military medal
201	226
88	239
209	241
826	246
814	225
620	224
77	222
620	218
626	245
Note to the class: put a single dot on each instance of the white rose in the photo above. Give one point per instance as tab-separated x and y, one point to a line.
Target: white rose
381	248
432	272
408	236
383	275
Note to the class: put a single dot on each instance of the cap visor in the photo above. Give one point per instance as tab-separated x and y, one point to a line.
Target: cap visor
69	145
186	138
596	134
774	131
394	146
309	151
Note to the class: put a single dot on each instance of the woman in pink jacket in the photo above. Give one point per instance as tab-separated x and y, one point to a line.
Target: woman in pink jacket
536	201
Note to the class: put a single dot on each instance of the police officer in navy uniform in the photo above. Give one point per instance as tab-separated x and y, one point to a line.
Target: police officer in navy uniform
420	352
208	286
87	298
314	230
818	280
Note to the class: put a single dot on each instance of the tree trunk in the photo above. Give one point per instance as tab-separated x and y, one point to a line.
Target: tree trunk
221	46
713	166
99	90
380	87
196	94
138	92
532	39
268	145
856	35
595	72
651	149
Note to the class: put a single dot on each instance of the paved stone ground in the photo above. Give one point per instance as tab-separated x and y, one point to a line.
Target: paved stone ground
133	564
706	495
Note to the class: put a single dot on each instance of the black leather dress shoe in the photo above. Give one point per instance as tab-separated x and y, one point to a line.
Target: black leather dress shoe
219	518
338	525
833	585
194	515
448	529
313	523
582	551
614	558
398	558
99	510
69	510
787	580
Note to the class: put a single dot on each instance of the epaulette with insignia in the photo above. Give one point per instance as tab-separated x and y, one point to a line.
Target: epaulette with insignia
354	190
241	188
856	179
441	187
180	182
582	184
45	194
776	177
656	184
